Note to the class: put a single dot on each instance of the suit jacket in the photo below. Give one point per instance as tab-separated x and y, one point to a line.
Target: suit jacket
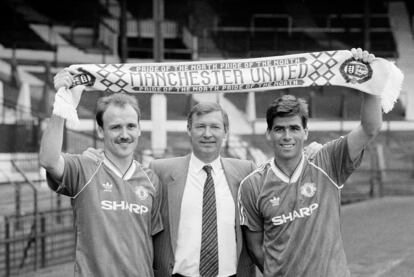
172	174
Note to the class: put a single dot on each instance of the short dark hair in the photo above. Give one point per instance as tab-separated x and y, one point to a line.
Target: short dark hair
285	106
205	108
117	99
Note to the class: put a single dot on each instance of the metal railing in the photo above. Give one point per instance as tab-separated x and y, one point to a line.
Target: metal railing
108	35
31	185
326	28
46	239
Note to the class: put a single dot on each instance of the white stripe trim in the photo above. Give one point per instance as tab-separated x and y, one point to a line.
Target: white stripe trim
260	168
112	167
146	175
89	181
326	174
241	208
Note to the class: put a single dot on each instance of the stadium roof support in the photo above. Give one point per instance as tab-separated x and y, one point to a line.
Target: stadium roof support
400	24
158	101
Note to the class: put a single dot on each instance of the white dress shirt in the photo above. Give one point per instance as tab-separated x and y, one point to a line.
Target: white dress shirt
187	255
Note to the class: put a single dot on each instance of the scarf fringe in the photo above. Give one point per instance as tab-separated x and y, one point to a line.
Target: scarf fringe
392	88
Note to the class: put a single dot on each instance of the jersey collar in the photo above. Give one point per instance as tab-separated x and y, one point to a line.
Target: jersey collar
295	176
127	175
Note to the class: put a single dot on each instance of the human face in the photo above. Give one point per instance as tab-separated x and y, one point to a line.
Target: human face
287	137
207	134
120	131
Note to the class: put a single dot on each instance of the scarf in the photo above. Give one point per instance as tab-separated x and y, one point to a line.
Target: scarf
337	68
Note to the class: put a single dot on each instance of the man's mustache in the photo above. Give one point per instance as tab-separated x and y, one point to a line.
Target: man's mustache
124	140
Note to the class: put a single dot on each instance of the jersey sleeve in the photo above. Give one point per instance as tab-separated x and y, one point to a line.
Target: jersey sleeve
336	160
156	221
78	169
71	176
249	213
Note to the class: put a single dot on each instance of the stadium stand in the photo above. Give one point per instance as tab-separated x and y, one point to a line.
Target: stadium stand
140	41
143	48
83	18
15	31
70	12
271	28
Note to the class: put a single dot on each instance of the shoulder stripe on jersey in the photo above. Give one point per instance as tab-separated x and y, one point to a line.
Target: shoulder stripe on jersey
326	174
90	179
242	217
260	168
241	208
146	175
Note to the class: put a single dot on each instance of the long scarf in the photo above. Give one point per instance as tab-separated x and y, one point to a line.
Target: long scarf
337	68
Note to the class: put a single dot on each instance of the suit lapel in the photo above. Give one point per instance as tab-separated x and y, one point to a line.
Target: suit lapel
231	177
233	180
175	196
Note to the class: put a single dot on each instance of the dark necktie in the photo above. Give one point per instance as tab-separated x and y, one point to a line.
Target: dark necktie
209	263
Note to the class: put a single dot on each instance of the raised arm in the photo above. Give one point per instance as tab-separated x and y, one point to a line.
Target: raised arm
50	147
371	115
65	103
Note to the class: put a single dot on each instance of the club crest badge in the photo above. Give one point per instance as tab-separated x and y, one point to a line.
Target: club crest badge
84	78
141	192
107	187
355	71
308	189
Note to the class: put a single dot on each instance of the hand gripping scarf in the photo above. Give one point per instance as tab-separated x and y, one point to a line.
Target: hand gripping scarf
337	68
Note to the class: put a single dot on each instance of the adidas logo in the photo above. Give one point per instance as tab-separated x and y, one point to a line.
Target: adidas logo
275	201
107	187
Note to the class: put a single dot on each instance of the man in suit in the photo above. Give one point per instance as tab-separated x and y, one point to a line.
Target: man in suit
178	249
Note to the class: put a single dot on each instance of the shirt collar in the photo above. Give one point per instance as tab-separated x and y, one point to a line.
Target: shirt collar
127	175
197	165
295	176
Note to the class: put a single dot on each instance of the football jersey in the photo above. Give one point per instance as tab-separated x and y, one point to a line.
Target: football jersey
300	215
115	216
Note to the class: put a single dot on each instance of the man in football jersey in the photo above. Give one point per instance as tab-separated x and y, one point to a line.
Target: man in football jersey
115	200
290	206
